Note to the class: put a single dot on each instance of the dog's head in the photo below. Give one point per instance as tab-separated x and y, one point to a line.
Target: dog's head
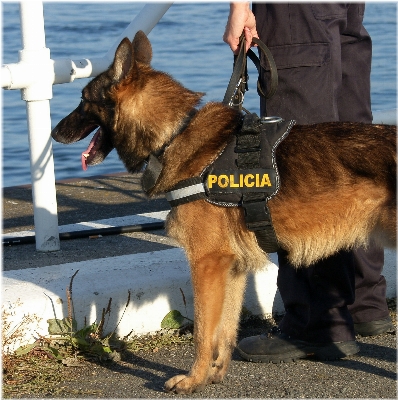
134	108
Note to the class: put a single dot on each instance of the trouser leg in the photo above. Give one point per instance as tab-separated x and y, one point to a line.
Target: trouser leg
316	298
356	55
370	286
324	75
319	300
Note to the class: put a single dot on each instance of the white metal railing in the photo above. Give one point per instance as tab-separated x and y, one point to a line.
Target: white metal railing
34	75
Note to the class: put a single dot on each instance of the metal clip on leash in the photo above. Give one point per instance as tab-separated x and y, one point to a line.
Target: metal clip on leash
239	94
234	96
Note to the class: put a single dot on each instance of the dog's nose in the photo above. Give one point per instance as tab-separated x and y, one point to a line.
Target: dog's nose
61	135
54	134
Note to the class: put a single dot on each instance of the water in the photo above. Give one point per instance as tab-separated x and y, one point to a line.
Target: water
187	43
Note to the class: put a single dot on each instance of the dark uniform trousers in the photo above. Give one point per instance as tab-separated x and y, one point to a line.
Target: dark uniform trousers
323	55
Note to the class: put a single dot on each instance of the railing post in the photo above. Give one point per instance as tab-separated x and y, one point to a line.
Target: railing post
37	96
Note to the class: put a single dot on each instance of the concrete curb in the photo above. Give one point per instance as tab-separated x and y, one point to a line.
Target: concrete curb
158	282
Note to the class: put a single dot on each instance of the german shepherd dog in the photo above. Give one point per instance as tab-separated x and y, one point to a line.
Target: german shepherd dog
338	183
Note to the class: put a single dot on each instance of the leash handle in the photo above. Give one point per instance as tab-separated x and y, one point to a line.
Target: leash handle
272	66
238	82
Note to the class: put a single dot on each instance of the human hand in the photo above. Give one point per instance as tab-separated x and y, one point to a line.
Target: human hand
241	19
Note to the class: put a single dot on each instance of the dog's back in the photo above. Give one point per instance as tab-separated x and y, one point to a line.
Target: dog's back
333	154
338	188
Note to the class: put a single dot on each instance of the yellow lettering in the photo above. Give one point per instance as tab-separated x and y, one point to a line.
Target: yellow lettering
266	181
239	181
210	180
247	183
232	183
223	181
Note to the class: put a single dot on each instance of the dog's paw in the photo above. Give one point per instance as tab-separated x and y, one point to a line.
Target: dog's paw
183	384
217	372
217	377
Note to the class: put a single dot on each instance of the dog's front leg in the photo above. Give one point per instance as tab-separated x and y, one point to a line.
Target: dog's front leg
209	279
225	340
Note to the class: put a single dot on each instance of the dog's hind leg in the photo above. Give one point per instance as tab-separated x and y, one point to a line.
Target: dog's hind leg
210	276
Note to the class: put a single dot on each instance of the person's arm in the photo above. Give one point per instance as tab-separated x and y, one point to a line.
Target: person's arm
241	19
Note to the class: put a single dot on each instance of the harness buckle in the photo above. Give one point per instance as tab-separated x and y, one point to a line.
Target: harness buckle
270	120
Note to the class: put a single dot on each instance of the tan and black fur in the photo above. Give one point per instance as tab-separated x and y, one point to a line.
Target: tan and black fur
338	184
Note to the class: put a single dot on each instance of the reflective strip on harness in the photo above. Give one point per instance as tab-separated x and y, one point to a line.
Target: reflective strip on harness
185	192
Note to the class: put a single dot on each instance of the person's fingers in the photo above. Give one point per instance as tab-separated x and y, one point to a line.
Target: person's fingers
232	41
254	33
248	37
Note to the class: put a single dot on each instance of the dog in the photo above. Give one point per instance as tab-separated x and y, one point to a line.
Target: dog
337	190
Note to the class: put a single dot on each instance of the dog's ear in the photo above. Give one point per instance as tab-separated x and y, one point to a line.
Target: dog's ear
142	48
123	61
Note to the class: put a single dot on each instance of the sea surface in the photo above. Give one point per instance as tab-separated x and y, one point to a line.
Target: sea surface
187	43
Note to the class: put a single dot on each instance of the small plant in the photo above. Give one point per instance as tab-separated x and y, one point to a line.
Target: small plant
174	319
66	340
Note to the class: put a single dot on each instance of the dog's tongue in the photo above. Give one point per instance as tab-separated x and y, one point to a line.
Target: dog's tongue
86	153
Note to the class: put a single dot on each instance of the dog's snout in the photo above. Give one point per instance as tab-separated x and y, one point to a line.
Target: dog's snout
55	134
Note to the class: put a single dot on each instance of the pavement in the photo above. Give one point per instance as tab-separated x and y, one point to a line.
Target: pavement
155	271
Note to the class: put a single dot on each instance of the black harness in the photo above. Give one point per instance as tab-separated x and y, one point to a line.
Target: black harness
245	173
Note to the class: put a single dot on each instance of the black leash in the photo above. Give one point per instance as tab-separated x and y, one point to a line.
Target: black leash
257	216
238	83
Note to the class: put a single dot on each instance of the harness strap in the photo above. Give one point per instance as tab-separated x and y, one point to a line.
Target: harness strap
257	215
153	164
151	173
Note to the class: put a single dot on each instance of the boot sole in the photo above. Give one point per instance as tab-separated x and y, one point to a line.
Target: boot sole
374	328
332	351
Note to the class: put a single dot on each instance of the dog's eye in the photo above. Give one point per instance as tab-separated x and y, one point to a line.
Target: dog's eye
88	107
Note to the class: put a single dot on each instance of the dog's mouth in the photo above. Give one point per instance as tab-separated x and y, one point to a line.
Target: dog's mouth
70	130
89	154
